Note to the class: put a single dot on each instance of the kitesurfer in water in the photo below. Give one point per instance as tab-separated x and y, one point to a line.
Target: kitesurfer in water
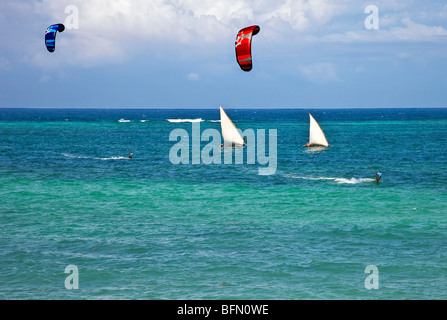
378	176
130	156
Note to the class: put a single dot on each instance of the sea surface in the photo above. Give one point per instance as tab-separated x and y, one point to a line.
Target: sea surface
146	228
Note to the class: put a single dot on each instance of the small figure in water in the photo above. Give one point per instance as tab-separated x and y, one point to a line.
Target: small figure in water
130	156
308	145
234	145
378	176
238	145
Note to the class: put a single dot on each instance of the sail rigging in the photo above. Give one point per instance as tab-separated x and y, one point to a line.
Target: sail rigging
230	133
316	134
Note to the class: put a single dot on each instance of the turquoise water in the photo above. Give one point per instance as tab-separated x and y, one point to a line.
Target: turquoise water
148	229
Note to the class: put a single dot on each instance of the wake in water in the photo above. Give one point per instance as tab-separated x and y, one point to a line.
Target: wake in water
113	158
68	155
314	149
353	180
337	180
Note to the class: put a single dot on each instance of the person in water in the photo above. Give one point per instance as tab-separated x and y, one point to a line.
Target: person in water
233	145
130	156
308	145
378	176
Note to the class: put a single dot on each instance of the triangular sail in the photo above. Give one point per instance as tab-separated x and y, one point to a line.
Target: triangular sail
316	134
229	132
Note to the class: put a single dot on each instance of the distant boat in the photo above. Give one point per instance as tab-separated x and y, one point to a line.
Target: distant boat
316	135
230	134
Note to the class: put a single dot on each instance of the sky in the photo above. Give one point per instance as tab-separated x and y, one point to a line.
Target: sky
180	54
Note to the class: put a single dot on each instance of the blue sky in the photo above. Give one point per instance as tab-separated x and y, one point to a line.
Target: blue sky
180	54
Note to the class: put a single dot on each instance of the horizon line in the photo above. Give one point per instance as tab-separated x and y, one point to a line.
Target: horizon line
212	108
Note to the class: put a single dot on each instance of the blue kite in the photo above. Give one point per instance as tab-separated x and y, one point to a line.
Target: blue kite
50	36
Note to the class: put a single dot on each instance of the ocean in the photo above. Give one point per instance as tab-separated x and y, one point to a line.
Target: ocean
81	221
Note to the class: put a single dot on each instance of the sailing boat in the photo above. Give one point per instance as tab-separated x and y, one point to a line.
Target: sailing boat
231	136
316	135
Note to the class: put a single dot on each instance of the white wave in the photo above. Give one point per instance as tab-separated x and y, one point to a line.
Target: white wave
314	149
353	180
337	180
308	178
185	120
68	155
123	120
144	120
113	158
214	120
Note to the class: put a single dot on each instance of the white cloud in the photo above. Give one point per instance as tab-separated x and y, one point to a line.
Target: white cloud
113	30
413	31
322	72
224	11
407	31
117	30
193	76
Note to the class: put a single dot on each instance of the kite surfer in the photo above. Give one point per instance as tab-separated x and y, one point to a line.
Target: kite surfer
378	176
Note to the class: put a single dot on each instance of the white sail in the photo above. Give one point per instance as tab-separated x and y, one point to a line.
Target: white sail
229	132
316	134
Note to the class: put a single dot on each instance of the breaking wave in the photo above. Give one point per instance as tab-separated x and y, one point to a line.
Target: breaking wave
185	120
337	180
73	156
